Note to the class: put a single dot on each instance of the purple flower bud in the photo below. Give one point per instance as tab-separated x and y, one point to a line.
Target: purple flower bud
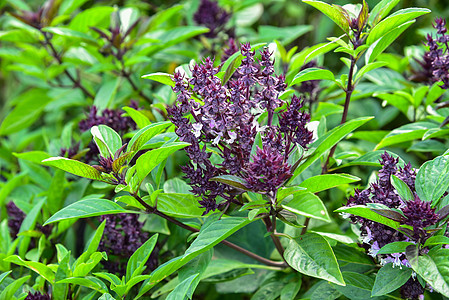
212	16
37	296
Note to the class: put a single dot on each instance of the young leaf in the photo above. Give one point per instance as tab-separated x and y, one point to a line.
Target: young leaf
432	179
312	255
89	282
358	286
382	9
137	261
145	134
384	42
312	74
405	133
108	137
37	267
309	205
398	18
163	78
86	208
148	161
74	167
402	188
327	181
332	12
138	117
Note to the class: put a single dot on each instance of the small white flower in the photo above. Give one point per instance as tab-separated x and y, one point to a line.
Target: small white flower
374	249
217	139
197	129
368	237
345	215
232	137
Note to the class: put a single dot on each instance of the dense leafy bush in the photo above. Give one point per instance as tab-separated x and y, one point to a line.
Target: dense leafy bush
223	150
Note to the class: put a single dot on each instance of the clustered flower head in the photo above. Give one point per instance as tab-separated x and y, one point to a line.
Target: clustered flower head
122	236
15	219
438	54
212	16
225	118
417	213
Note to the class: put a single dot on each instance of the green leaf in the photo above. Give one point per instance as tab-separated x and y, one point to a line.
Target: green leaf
385	41
163	78
327	181
148	161
367	213
437	240
232	180
370	159
37	267
389	279
145	134
4	275
209	236
395	247
334	13
86	208
309	205
312	74
290	290
329	140
139	118
402	188
9	291
181	290
393	21
33	156
74	167
88	281
83	268
306	55
104	135
368	67
382	9
179	205
26	112
106	93
432	179
434	269
196	266
405	133
95	16
312	255
70	33
358	286
137	261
